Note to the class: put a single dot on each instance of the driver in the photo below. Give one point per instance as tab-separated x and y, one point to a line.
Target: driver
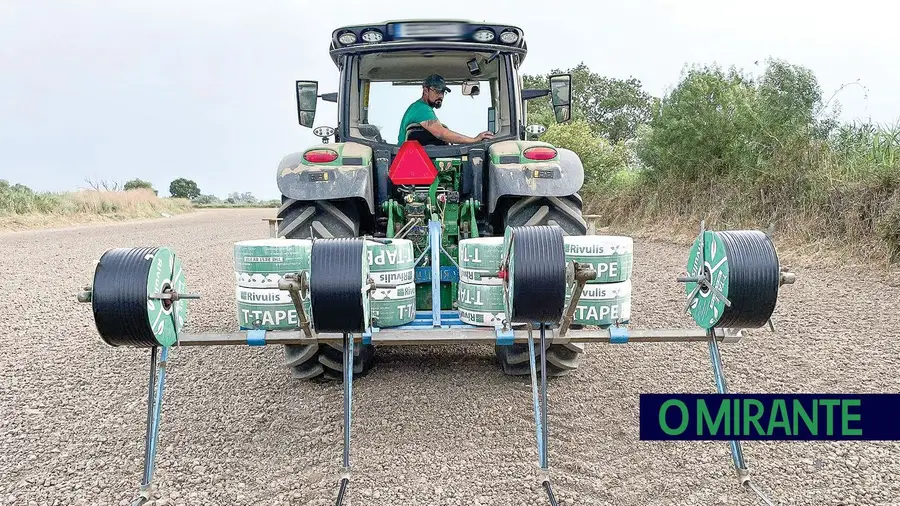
422	112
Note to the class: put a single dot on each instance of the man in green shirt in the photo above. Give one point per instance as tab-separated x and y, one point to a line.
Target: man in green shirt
421	112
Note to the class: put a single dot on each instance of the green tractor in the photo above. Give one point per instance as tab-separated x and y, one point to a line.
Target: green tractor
362	185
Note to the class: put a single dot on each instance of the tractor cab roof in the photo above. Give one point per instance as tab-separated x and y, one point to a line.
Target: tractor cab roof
427	35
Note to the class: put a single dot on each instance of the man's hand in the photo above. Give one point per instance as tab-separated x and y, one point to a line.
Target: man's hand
484	135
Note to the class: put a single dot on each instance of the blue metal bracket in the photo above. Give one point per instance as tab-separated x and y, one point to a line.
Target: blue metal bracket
367	335
449	274
449	320
504	337
618	335
256	337
434	243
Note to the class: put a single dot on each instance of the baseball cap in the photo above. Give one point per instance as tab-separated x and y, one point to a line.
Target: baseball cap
437	82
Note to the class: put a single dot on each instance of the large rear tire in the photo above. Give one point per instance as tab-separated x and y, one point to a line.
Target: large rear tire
322	219
301	219
564	212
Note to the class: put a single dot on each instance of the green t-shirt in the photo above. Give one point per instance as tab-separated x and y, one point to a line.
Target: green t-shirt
417	112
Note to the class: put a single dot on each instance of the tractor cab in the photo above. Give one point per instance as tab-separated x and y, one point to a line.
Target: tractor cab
382	67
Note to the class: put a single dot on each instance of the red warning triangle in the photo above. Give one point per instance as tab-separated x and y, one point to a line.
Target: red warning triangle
412	166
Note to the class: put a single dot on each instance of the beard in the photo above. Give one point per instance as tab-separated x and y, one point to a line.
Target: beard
436	103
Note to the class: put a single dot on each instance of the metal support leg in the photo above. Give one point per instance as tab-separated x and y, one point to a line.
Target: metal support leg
534	397
737	453
154	410
348	406
545	464
434	243
540	409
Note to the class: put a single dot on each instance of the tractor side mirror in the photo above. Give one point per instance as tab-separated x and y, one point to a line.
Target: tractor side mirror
307	94
561	96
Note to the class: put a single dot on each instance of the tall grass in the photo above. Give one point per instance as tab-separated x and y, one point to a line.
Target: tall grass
838	192
18	200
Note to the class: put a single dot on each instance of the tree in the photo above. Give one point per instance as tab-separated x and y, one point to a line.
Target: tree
614	108
136	184
704	126
207	200
245	198
182	188
789	101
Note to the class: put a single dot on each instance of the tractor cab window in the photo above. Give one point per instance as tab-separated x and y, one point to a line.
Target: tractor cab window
387	102
383	85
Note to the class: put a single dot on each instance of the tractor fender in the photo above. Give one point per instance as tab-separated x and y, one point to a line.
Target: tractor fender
510	174
349	176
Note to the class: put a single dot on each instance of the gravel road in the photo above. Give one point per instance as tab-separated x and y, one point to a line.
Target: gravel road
438	425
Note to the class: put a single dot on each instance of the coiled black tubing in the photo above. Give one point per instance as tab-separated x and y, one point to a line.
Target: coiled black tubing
335	285
754	277
538	274
119	297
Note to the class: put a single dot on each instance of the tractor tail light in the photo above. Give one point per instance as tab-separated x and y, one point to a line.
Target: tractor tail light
540	153
320	156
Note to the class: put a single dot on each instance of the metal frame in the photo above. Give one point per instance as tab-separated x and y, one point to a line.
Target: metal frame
453	331
434	327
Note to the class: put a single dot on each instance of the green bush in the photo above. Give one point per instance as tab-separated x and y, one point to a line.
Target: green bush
20	199
135	184
600	158
206	200
242	199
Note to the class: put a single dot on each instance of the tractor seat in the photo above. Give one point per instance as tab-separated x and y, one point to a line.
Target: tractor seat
416	132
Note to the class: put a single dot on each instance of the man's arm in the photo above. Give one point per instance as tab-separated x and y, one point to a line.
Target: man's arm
445	134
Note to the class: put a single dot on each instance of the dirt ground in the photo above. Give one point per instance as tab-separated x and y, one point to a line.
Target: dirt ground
431	425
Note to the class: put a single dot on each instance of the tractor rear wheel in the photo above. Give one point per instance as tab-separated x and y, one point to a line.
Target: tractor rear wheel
301	219
564	212
322	219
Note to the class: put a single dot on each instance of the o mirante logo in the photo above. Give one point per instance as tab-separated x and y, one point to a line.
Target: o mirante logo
769	416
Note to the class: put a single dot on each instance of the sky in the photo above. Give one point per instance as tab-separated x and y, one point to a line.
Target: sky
113	90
